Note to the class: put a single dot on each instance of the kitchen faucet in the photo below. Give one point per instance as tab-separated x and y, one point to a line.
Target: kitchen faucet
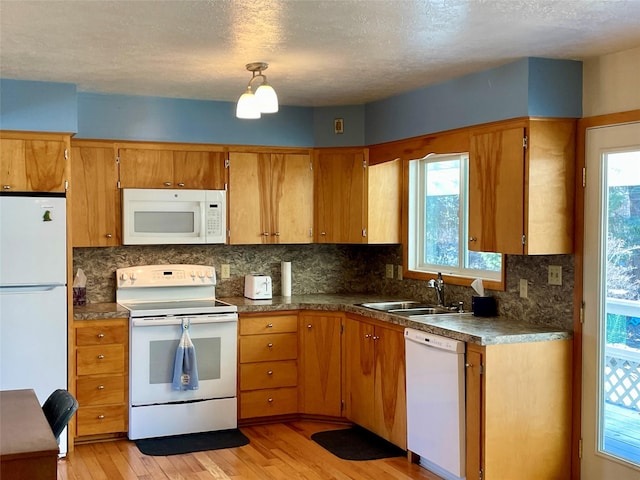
438	286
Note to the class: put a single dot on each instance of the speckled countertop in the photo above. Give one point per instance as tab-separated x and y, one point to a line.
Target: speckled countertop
464	327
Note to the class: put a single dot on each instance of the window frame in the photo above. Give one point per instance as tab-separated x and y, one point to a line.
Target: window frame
457	276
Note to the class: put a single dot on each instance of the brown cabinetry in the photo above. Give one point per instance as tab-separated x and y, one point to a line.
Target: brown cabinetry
270	198
521	187
95	202
33	162
171	166
101	379
356	202
320	363
518	411
375	377
268	373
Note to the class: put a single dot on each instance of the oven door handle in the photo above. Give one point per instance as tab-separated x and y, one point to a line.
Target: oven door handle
159	321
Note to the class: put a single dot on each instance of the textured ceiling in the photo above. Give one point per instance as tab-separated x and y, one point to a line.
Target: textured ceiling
320	53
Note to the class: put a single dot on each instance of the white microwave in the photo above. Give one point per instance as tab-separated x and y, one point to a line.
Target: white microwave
158	216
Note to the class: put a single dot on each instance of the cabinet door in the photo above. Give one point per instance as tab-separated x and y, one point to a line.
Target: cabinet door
33	165
96	197
141	168
320	362
199	170
496	191
359	372
474	438
291	201
249	191
339	196
384	205
389	394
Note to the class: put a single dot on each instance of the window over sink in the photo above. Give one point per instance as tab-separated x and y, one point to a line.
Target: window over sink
439	218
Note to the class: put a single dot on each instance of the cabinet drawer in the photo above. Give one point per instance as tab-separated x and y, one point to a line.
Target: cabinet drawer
95	420
265	325
265	403
101	335
100	359
101	390
268	375
264	348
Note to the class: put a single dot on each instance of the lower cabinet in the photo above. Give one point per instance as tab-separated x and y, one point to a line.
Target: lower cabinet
320	364
375	395
102	350
519	411
268	372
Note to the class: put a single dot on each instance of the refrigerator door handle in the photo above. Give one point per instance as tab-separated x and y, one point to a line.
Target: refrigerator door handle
13	289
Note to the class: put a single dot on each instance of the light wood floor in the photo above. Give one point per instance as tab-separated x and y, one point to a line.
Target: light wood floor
281	451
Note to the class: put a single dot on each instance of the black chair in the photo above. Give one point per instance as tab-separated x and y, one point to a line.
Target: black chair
59	408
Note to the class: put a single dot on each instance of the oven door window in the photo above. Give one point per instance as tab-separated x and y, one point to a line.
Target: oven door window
152	358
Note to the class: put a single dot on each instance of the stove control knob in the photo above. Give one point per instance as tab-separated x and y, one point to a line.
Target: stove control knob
134	277
124	277
201	274
209	273
193	274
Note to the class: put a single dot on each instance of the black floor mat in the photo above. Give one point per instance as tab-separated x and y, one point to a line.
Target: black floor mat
192	442
356	443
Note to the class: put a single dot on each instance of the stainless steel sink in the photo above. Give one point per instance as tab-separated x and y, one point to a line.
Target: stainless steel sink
407	308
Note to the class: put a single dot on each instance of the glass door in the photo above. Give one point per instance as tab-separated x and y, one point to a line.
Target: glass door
611	330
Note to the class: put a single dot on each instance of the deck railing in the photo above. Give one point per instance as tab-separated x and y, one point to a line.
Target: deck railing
622	363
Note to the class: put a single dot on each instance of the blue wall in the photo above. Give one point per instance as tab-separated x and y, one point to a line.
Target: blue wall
526	87
38	106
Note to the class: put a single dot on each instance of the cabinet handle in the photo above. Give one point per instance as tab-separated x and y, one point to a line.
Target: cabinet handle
100	387
270	372
472	239
167	184
309	326
100	357
270	345
108	235
100	417
6	187
367	336
376	338
269	325
468	365
265	234
100	335
181	184
270	400
323	233
277	234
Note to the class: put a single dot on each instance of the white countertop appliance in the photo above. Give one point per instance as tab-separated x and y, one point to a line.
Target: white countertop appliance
33	294
162	301
436	402
257	286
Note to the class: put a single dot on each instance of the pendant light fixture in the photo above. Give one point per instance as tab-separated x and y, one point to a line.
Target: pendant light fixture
264	100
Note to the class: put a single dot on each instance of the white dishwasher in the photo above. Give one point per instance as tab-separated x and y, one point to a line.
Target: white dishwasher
436	402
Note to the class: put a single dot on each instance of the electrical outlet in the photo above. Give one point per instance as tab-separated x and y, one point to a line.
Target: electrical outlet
399	272
389	270
225	270
524	288
555	275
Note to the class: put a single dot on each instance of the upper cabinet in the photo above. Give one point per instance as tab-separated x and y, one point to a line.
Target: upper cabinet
95	199
34	162
521	187
171	166
270	198
356	202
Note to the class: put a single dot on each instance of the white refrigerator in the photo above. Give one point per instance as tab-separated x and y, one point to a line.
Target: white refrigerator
33	294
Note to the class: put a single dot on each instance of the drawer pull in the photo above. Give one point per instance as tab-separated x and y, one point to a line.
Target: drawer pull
309	325
109	235
100	417
167	184
270	372
100	335
100	357
269	325
468	365
100	387
270	400
367	336
270	345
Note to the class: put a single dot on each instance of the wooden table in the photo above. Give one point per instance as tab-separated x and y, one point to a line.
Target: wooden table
28	449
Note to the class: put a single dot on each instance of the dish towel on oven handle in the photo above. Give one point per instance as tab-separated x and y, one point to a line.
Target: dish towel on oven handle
185	367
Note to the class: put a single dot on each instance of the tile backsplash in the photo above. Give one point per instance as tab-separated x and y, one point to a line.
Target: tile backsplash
323	268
